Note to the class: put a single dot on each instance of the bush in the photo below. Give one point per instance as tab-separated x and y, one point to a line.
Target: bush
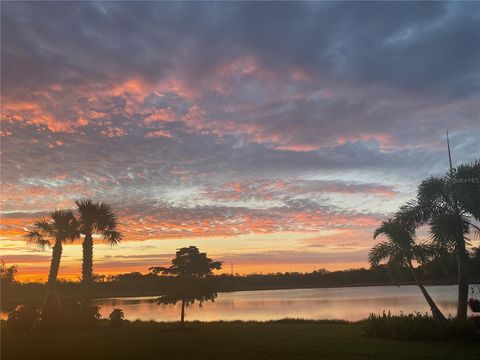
76	317
419	327
116	318
22	318
474	305
53	317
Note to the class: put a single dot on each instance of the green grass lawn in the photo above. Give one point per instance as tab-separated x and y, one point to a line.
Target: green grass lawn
224	340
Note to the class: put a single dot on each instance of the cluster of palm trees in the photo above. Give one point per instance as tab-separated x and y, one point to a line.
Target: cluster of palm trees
450	207
64	227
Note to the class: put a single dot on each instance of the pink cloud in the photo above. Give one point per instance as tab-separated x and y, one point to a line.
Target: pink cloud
158	133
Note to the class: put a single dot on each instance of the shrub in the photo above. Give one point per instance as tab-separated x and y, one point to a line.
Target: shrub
52	317
76	317
22	318
116	318
419	327
474	305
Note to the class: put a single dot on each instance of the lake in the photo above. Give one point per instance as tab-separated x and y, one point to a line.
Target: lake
348	303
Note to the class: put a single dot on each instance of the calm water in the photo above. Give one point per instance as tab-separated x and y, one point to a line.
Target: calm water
352	303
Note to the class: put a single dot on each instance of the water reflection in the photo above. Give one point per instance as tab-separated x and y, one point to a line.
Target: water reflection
353	303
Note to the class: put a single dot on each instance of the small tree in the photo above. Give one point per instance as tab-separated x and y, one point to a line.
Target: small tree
117	317
7	273
190	270
7	279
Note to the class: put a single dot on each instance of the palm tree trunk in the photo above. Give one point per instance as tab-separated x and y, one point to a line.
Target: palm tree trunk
87	270
437	314
463	275
55	265
52	280
53	274
182	317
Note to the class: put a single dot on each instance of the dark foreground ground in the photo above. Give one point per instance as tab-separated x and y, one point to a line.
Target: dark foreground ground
228	340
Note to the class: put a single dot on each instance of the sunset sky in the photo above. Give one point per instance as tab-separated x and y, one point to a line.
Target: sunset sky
274	136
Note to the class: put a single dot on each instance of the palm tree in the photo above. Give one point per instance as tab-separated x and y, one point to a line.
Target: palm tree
95	218
401	249
449	204
59	229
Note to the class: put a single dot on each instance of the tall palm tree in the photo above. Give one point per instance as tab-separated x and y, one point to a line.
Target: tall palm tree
95	218
450	204
59	229
401	249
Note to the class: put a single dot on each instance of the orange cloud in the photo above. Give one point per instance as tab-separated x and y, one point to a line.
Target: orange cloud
161	115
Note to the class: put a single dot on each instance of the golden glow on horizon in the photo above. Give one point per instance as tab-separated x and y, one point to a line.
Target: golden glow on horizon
40	274
249	253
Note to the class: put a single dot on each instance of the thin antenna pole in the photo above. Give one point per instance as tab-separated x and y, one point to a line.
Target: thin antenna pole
449	153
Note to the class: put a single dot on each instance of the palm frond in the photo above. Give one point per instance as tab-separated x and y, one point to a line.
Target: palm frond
36	238
87	212
379	252
449	229
44	226
40	233
413	214
423	252
66	225
106	219
397	232
432	189
112	237
61	226
98	218
464	182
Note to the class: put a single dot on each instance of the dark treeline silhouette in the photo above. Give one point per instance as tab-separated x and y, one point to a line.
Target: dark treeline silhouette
439	271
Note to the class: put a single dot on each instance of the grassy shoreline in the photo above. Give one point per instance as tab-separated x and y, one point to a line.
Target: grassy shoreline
289	339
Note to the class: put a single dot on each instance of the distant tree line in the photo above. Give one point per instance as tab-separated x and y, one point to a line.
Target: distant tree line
437	271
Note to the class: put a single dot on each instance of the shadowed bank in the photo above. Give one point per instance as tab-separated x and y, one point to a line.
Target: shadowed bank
227	340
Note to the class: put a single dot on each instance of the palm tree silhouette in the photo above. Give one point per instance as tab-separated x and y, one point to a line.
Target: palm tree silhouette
401	249
448	205
95	218
59	229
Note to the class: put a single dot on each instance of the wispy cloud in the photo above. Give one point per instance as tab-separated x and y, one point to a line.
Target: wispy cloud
199	121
